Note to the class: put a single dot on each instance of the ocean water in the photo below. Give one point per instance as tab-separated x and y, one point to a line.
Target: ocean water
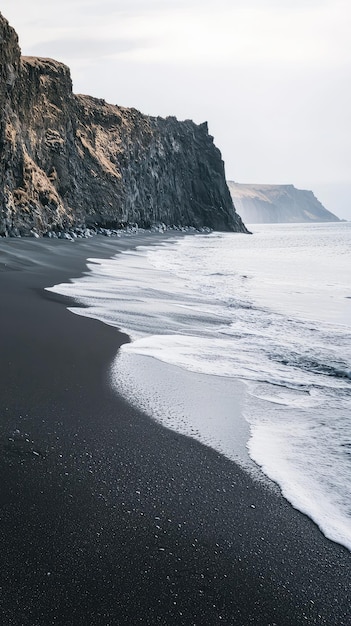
243	342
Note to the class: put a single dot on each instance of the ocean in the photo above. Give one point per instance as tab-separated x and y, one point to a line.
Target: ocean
244	343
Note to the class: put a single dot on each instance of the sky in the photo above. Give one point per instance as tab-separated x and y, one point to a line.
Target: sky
271	77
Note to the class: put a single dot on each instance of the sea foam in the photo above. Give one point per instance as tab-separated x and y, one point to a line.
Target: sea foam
272	310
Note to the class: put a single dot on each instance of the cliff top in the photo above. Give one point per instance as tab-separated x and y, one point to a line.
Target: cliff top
249	189
44	63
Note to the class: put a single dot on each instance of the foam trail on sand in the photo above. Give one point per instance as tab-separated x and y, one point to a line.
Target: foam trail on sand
272	310
207	408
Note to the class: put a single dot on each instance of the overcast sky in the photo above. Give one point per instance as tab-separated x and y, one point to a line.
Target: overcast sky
271	77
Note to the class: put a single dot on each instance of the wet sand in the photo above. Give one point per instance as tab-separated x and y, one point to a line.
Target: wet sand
108	518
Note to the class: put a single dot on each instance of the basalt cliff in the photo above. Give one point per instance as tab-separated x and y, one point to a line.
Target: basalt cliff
268	204
70	160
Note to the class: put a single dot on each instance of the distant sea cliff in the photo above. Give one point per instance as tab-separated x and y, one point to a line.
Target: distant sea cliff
267	204
70	160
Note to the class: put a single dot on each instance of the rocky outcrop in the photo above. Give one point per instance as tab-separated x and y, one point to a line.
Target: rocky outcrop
264	204
70	160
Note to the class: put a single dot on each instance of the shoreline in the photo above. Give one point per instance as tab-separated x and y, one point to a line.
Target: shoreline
216	417
109	518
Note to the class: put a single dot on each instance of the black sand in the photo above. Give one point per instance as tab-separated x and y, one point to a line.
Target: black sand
108	518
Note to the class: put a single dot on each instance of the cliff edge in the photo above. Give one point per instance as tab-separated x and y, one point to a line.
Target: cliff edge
269	204
70	160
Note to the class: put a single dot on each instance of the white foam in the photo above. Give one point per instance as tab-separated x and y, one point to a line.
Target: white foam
309	470
206	408
264	309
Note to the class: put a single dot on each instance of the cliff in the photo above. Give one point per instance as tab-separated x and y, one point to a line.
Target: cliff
263	204
70	160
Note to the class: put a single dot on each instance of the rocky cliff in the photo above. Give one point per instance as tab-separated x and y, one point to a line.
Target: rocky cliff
263	204
70	160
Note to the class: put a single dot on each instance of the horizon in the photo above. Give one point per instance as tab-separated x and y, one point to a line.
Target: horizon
269	77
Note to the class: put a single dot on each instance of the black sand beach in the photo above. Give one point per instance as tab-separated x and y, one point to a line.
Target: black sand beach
108	518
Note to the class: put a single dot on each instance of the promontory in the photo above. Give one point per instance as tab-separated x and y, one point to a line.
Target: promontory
271	204
70	161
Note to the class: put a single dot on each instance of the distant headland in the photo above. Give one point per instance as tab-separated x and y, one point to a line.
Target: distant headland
266	204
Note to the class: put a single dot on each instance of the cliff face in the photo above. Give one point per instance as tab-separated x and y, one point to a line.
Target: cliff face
264	204
70	160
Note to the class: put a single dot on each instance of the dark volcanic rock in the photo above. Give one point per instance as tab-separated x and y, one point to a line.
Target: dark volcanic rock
71	160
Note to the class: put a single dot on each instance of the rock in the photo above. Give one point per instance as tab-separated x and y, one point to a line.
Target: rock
72	161
263	204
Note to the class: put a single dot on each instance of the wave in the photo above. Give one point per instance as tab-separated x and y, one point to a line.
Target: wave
214	306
